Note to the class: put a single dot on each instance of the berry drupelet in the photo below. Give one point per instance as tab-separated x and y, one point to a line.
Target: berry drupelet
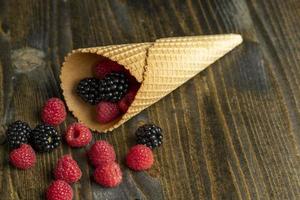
149	135
45	138
113	87
89	90
18	133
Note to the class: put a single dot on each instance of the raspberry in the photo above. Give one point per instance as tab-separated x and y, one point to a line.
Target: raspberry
140	157
59	190
23	157
106	67
108	175
128	98
101	152
54	112
78	135
107	112
67	169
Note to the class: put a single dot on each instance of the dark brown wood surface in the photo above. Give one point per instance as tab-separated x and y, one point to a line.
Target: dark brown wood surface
232	132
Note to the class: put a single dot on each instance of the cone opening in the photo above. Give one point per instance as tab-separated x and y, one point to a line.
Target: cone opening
78	66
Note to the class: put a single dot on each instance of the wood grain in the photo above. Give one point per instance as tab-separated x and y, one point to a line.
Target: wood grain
232	132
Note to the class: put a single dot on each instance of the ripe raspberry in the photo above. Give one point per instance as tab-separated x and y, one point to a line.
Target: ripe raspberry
128	98
23	157
106	67
67	169
107	112
101	152
78	135
59	190
108	175
54	112
139	157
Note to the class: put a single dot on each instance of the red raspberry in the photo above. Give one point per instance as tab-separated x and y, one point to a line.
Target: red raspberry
54	112
139	157
107	66
67	169
101	152
23	157
126	101
108	175
59	190
107	112
78	135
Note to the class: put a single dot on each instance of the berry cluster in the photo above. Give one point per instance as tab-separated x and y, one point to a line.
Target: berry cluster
140	156
113	95
66	172
112	89
23	140
103	157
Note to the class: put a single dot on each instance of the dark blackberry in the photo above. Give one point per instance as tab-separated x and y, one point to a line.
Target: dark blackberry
89	90
113	87
45	138
18	133
149	135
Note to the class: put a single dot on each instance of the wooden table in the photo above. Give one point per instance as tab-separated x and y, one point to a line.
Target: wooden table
232	132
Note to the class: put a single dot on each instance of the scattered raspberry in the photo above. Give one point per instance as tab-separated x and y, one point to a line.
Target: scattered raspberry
67	169
59	190
107	66
78	135
23	157
128	98
54	112
108	175
107	112
101	152
139	157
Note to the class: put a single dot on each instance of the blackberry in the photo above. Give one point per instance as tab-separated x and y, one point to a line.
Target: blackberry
45	138
18	133
113	87
89	90
149	135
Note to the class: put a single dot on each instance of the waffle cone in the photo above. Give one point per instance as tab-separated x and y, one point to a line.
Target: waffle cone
160	67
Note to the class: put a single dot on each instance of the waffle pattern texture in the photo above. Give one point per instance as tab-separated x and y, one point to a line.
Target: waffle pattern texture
161	67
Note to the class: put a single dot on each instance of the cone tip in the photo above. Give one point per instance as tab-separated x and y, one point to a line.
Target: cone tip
238	38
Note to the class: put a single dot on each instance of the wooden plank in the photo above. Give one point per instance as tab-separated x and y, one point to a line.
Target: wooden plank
230	133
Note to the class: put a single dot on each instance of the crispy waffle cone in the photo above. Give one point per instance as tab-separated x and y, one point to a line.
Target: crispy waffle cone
161	67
